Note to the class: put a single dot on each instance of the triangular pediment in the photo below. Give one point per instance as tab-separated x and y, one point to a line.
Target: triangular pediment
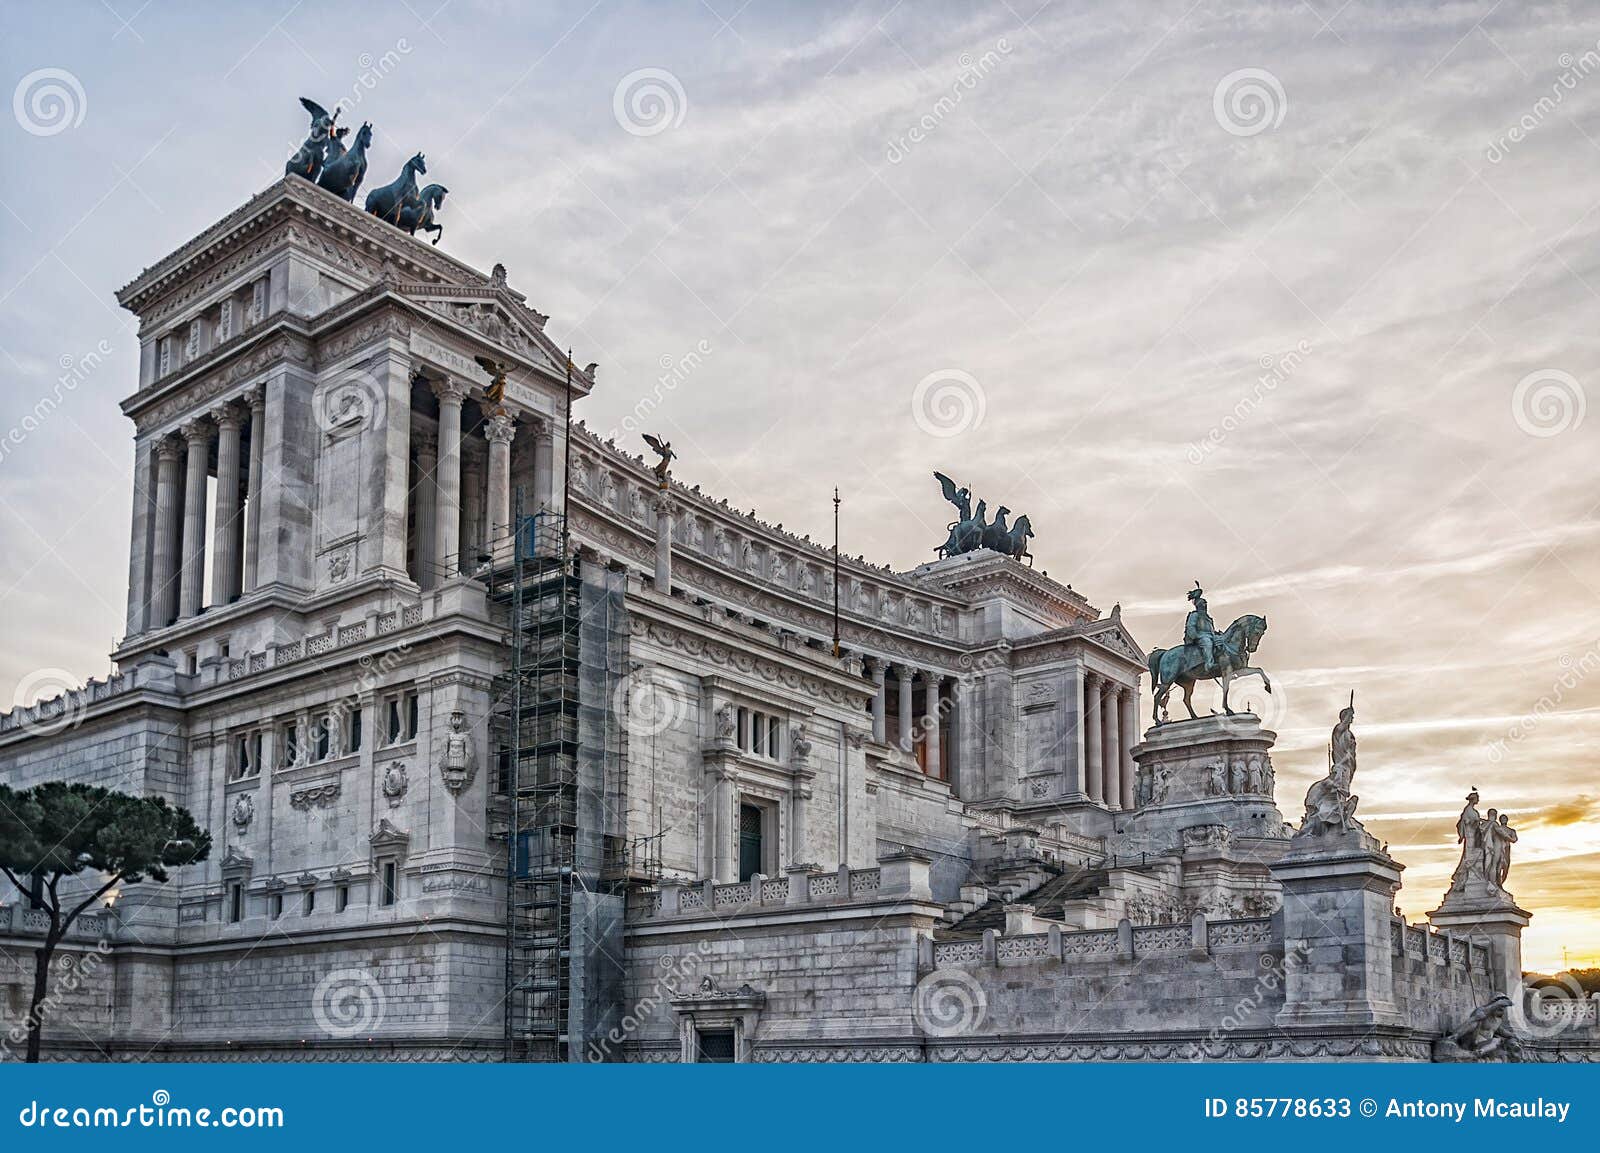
495	316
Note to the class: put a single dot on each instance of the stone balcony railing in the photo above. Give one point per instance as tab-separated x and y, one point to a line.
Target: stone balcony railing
18	921
1198	938
902	876
1437	948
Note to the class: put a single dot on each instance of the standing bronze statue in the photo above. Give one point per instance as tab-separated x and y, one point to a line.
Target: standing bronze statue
313	153
1205	655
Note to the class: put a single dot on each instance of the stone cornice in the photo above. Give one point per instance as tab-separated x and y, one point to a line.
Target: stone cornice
292	198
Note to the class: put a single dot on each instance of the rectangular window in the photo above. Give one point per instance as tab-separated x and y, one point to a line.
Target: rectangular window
772	737
308	904
275	905
752	826
758	734
352	725
411	716
288	733
394	729
714	1046
243	757
235	903
744	729
341	898
389	878
400	718
324	738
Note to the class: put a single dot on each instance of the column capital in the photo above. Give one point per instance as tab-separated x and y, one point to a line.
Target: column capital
427	443
169	448
879	668
449	390
226	415
197	429
544	430
1093	681
255	398
500	427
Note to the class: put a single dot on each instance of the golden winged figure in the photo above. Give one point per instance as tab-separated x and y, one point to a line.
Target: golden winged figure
497	383
663	449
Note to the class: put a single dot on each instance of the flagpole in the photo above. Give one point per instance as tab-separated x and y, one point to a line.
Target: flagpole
566	470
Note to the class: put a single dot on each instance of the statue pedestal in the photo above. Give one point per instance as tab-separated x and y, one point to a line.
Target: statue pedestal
1338	902
1205	773
1488	915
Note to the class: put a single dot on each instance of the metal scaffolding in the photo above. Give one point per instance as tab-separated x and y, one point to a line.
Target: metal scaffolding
536	731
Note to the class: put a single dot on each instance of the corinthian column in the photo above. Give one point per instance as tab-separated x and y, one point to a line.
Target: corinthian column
930	722
447	517
544	464
225	567
880	700
1111	780
190	585
499	429
164	564
427	574
907	733
1093	784
1130	737
256	398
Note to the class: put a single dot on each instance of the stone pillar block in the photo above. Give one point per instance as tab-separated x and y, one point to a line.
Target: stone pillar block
905	874
1338	901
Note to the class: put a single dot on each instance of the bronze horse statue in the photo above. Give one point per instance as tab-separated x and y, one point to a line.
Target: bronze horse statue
1231	658
344	171
386	202
1015	544
966	534
417	213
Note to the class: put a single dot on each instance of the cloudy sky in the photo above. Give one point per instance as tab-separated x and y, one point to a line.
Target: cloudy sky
1295	299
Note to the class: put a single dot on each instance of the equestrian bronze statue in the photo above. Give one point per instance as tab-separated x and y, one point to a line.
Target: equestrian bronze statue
1205	655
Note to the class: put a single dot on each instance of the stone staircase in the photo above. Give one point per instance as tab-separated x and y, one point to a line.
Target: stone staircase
1046	887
